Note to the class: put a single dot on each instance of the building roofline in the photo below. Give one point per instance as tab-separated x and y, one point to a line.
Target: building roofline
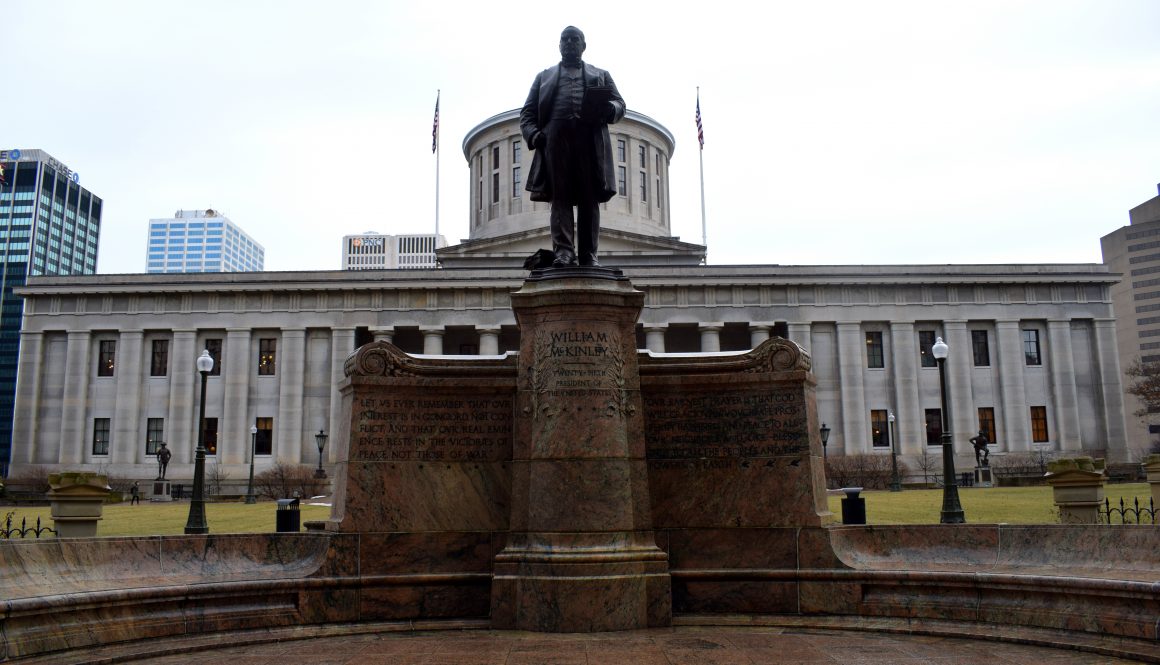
514	114
476	277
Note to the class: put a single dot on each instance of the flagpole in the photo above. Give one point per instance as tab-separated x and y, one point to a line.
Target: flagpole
701	158
435	148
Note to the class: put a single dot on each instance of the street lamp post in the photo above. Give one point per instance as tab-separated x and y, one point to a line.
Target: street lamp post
825	432
895	483
952	510
250	498
320	439
196	523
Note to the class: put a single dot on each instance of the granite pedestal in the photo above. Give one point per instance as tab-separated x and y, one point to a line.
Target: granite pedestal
581	555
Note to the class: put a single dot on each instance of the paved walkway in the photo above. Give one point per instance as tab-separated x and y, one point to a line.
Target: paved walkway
674	646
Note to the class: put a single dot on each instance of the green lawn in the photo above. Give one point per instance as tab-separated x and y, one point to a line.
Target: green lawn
166	519
1013	505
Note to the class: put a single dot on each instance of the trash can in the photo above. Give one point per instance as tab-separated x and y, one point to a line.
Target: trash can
853	506
288	518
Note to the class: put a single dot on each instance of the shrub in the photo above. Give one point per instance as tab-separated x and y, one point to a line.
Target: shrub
868	471
283	481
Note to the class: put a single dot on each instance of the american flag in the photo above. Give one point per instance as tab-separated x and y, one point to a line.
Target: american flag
700	130
435	127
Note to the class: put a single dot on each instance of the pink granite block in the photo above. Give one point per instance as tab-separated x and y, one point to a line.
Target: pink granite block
428	552
732	548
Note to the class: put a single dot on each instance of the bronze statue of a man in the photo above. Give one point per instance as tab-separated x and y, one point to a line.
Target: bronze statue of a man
565	121
163	457
982	455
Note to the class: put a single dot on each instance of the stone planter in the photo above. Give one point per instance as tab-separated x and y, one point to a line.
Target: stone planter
77	502
1077	486
1152	468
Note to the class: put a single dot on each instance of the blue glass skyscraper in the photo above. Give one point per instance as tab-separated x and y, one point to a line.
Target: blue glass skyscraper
201	241
49	225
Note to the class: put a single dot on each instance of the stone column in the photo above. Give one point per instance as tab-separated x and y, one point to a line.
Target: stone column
1063	394
964	417
758	333
710	337
1077	488
1016	417
341	346
184	389
855	417
128	440
384	335
433	341
77	368
26	413
909	435
581	555
77	502
488	341
1152	469
234	426
654	338
1110	388
799	333
289	437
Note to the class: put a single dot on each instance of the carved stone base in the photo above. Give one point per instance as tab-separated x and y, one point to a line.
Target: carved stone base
581	555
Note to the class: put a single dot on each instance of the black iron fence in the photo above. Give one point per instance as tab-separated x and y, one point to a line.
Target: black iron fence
9	530
1128	514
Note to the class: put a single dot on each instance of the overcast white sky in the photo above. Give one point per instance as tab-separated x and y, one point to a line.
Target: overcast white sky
836	132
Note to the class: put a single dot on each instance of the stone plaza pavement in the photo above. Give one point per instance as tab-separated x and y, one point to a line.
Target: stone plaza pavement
688	645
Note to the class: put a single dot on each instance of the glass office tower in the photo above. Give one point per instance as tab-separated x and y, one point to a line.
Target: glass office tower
201	241
49	225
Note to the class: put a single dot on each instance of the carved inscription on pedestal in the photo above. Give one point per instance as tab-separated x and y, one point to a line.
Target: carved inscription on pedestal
442	429
577	364
725	425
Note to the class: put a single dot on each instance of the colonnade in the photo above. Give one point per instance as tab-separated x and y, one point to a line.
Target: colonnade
57	402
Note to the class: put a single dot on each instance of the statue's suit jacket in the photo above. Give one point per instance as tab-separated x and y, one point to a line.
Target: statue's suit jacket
538	110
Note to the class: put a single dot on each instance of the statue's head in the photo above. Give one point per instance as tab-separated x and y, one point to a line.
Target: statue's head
572	44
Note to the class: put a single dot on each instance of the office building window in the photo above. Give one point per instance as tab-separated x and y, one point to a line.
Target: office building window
154	435
1031	347
214	346
264	441
100	436
980	348
925	342
987	423
516	184
640	154
1039	424
267	356
879	432
106	357
210	436
515	152
874	354
621	181
495	157
933	426
643	187
160	362
621	149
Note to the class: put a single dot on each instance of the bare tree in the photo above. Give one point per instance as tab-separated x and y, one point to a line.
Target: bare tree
1145	386
926	463
215	475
